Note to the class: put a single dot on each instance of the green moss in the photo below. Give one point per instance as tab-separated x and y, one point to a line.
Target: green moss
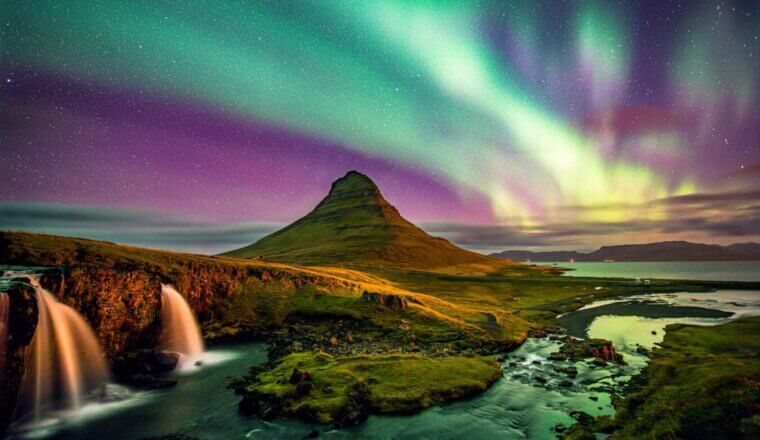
368	384
703	383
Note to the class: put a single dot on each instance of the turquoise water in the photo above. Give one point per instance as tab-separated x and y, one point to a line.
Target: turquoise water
689	270
517	406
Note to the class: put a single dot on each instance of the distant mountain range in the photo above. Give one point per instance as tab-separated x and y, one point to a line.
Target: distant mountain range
662	251
355	225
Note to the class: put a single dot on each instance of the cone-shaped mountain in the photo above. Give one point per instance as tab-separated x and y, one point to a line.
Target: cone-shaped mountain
355	224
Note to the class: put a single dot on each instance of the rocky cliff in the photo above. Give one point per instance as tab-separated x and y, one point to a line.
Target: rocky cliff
21	325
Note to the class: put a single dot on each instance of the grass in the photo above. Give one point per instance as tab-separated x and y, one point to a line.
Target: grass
354	224
703	383
374	383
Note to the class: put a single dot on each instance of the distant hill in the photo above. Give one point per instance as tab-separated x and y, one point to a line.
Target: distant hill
662	251
354	224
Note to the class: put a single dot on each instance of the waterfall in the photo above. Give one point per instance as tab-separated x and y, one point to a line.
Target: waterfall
180	332
64	361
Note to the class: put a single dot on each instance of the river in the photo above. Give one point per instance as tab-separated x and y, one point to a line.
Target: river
518	406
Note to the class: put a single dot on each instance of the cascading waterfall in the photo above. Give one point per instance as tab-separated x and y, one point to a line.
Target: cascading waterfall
180	333
64	361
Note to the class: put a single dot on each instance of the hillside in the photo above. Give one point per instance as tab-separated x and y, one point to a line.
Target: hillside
355	225
662	251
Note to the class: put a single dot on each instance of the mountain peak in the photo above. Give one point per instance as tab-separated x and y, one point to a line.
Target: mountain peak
354	224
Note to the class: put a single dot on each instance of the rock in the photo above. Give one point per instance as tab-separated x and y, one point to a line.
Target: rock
540	379
579	349
599	362
557	357
303	388
536	362
198	363
582	417
501	358
164	361
654	332
112	393
642	350
513	364
566	383
593	398
299	376
569	370
387	300
333	341
22	323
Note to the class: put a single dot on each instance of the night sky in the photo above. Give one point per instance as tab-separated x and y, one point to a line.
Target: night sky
203	125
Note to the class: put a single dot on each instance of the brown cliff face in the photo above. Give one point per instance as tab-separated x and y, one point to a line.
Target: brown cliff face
22	323
118	288
122	307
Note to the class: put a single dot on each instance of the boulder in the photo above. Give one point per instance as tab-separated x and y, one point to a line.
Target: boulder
386	300
299	376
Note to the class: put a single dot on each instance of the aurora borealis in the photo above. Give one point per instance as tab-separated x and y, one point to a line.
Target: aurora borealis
203	125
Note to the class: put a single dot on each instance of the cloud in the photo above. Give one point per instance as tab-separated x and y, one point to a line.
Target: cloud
136	227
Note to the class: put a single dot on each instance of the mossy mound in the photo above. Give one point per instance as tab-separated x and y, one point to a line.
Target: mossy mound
318	387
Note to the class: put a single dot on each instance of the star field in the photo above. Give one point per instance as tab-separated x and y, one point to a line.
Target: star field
495	124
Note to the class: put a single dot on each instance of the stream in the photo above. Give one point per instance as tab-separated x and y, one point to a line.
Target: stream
536	399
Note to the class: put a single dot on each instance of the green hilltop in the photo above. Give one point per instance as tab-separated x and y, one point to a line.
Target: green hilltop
355	225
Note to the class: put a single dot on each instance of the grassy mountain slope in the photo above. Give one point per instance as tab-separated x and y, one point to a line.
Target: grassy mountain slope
355	225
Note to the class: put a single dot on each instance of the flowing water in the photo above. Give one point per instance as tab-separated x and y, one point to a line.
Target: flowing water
535	399
180	332
64	363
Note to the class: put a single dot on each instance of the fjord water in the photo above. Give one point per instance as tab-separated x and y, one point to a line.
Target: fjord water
684	270
180	331
64	363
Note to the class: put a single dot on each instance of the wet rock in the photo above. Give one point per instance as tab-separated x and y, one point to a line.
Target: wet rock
593	398
569	370
22	322
501	358
654	332
601	349
513	364
540	379
642	350
165	361
583	418
112	393
557	357
536	362
566	383
299	376
142	363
